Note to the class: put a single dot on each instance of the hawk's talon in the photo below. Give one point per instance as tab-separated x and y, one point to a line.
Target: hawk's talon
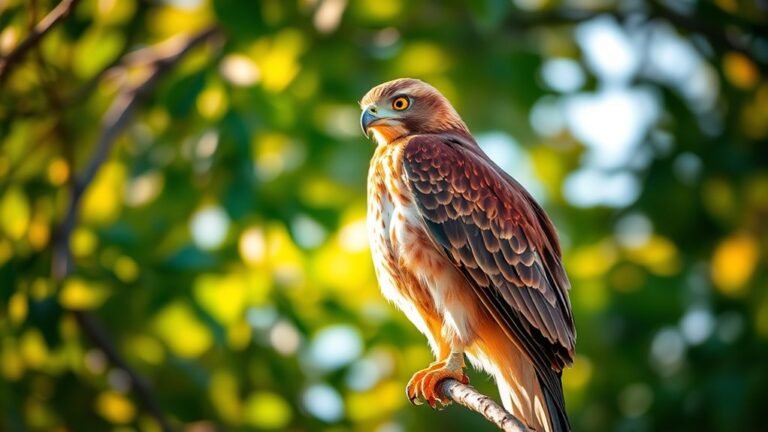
425	384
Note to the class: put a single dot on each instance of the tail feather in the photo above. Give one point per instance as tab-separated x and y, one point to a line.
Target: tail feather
532	394
558	419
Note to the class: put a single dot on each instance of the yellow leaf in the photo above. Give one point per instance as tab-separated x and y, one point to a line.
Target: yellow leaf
81	295
224	297
58	172
278	58
95	49
115	11
419	59
14	213
39	233
212	102
168	21
115	407
178	326
147	348
740	70
103	199
17	307
378	402
126	269
733	262
83	242
33	349
378	11
224	394
592	261
658	254
267	411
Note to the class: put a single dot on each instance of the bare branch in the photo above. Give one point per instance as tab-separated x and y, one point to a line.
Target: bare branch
61	11
469	397
160	59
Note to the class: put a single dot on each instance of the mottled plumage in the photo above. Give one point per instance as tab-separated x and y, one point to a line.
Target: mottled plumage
466	253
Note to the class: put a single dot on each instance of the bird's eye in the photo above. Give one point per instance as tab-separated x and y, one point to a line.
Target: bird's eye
400	103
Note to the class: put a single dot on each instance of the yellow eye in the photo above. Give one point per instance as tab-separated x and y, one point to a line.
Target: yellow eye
400	103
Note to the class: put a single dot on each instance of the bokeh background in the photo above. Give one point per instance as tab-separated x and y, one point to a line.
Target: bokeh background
215	271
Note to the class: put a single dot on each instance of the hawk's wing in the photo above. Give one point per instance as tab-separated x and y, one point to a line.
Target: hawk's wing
499	237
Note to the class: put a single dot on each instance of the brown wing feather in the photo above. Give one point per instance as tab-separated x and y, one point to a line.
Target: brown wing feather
502	241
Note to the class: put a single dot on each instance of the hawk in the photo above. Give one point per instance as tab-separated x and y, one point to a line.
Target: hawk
467	254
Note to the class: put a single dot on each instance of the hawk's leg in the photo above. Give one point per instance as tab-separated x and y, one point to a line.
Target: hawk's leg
424	383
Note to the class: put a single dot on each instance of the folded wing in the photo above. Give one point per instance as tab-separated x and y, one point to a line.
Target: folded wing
501	240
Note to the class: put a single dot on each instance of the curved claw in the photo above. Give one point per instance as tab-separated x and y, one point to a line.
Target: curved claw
414	386
425	384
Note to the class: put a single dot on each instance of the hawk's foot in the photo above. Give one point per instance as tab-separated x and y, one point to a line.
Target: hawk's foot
424	385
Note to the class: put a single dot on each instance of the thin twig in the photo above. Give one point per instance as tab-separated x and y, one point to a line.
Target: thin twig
58	13
469	397
162	58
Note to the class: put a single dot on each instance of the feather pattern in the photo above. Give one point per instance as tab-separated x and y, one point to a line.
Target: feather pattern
500	239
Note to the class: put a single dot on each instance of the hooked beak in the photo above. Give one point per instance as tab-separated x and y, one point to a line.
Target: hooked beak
366	119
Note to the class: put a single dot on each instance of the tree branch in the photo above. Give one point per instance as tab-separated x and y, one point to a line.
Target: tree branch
469	397
61	11
716	33
157	60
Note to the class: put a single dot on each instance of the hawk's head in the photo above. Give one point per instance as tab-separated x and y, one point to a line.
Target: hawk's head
404	107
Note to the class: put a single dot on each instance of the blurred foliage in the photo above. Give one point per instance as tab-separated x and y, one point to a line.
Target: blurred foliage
223	245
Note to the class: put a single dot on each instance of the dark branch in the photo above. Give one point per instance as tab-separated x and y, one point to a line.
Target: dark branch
139	385
61	11
157	60
717	34
469	397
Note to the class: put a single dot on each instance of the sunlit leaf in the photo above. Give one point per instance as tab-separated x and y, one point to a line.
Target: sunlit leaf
223	392
81	294
193	341
658	254
103	199
592	261
97	48
224	297
14	213
277	58
17	308
267	411
733	262
115	407
33	348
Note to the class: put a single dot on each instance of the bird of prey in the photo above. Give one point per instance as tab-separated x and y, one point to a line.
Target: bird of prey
467	254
